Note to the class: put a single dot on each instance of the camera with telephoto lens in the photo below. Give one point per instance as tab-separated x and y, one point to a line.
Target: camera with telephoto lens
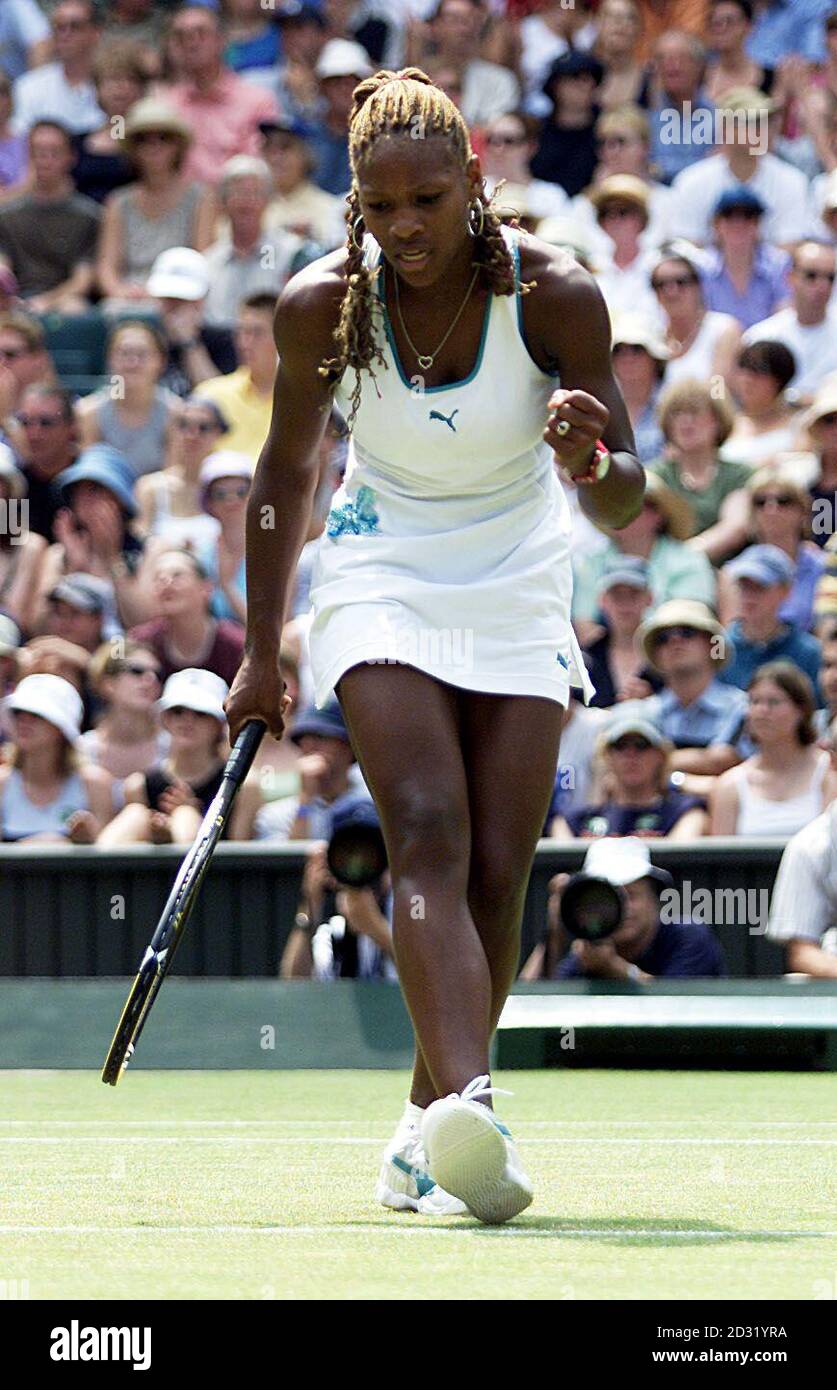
592	907
356	853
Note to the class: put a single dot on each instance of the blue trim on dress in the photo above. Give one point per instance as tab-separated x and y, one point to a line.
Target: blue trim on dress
430	390
553	376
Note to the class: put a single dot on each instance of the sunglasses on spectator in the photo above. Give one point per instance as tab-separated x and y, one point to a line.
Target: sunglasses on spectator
682	281
669	633
812	275
46	422
222	493
184	709
202	426
135	668
782	499
618	140
145	137
631	744
829	419
747	214
618	210
509	140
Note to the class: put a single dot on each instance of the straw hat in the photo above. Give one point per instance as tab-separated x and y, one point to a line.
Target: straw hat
683	612
153	114
625	188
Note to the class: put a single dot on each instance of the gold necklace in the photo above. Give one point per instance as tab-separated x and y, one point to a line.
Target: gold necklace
426	360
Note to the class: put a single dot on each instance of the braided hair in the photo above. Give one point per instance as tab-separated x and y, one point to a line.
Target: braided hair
388	103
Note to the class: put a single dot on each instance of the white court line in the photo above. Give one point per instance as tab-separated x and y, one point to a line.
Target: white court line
373	1228
520	1124
338	1139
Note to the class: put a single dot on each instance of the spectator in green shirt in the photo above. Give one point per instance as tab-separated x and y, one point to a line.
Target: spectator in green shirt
658	535
695	422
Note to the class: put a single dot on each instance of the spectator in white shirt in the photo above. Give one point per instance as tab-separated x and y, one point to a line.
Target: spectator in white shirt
64	90
808	327
621	204
803	909
488	90
250	260
744	158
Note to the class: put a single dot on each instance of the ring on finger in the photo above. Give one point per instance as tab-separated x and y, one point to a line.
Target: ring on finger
562	428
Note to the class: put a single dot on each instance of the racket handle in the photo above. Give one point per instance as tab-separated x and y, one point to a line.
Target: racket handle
244	751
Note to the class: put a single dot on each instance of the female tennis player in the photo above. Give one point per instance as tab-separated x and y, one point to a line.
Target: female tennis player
469	358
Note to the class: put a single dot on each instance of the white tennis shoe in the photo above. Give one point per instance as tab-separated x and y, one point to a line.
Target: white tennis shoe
404	1182
472	1155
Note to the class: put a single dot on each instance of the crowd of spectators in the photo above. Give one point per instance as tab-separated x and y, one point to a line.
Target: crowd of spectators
166	167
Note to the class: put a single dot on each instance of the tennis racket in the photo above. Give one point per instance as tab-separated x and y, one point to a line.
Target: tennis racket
159	954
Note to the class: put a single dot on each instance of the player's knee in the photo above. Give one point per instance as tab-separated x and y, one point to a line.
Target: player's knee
431	835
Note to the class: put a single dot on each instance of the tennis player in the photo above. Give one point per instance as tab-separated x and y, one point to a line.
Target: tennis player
469	358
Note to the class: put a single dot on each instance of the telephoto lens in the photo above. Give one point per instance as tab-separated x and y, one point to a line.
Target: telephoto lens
591	907
356	853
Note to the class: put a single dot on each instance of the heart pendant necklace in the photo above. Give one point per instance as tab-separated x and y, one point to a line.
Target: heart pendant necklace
425	359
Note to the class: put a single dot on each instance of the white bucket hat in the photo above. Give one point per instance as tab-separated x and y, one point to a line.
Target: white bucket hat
224	463
621	860
196	689
179	273
51	697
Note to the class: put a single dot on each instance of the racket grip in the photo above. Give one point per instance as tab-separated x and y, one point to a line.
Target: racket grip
244	751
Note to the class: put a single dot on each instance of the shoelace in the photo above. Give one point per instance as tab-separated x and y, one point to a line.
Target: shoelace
480	1086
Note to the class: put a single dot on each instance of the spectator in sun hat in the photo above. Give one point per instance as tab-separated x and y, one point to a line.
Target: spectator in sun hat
624	268
45	795
614	662
325	775
93	529
763	576
639	799
167	802
639	358
648	944
687	647
340	66
655	535
742	256
178	284
225	480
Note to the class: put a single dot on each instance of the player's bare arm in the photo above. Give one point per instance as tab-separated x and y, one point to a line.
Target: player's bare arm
589	399
285	483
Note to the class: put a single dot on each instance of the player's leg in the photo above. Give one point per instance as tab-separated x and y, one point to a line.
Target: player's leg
404	727
510	747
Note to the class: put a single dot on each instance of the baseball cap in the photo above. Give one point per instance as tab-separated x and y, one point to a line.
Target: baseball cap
197	689
763	564
623	569
53	699
739	199
90	594
621	860
343	58
631	718
327	722
224	463
179	273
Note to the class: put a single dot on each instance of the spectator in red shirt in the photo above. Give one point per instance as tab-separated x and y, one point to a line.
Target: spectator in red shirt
185	634
222	109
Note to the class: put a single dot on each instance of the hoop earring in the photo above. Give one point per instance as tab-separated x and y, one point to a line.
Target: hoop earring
475	207
358	222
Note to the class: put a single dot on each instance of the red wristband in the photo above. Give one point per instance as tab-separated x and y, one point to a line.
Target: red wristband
597	467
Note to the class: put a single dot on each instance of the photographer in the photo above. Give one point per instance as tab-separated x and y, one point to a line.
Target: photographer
343	930
644	946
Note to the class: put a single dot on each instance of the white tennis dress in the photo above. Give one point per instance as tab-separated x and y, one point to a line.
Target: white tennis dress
447	545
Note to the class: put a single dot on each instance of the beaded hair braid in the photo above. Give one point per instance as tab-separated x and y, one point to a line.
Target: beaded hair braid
387	103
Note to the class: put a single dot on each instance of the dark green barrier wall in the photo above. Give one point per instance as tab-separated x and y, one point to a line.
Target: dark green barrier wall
83	911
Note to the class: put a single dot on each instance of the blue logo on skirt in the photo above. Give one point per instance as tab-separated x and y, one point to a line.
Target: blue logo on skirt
562	661
357	518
